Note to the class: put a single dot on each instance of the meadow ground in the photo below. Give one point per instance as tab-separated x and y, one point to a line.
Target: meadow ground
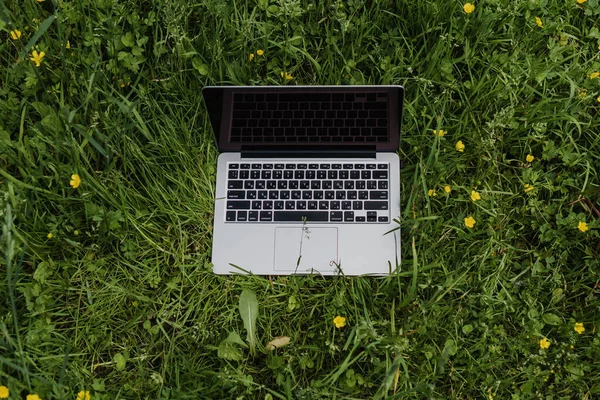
106	276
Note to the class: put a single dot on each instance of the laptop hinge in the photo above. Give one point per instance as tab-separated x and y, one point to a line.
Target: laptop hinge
300	151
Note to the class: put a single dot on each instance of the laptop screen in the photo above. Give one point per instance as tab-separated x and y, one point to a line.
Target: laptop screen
319	117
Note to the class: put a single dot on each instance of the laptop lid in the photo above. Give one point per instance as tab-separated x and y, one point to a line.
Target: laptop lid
275	119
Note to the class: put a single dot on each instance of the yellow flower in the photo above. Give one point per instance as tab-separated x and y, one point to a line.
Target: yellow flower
460	146
475	195
538	21
582	94
50	235
529	158
594	75
469	8
470	222
447	188
431	193
83	395
251	56
260	52
598	99
583	227
16	34
286	75
581	1
76	232
41	1
579	327
4	392
339	322
75	181
439	133
33	396
544	343
528	188
68	45
37	57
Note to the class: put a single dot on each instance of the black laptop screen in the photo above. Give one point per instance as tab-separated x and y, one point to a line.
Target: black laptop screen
319	117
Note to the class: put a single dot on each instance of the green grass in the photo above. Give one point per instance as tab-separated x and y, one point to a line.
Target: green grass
121	300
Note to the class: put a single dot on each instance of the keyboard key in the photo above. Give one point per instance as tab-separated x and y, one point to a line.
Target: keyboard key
299	175
277	174
348	216
306	195
260	184
359	166
382	219
378	195
318	194
336	166
376	205
267	205
263	194
284	194
234	166
325	166
279	166
230	216
296	194
290	166
244	174
332	175
290	205
372	185
354	174
360	219
349	185
361	184
371	166
256	166
271	184
313	205
236	194
334	205
279	205
362	195
301	205
329	194
321	174
232	175
249	185
299	216
266	215
382	166
338	185
346	205
323	205
242	216
357	205
253	216
282	185
238	205
382	185
273	195
380	174
245	166
315	185
293	184
336	216
344	174
235	185
352	194
348	166
302	166
251	194
341	195
327	184
365	175
256	205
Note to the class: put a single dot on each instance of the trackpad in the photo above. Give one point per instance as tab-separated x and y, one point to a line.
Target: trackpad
305	249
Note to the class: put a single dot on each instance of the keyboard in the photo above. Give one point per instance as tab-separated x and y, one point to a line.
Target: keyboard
310	117
264	192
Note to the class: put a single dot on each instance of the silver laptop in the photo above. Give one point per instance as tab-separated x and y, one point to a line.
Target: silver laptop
308	179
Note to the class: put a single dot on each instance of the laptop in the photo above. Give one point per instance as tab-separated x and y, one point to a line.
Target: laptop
308	179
